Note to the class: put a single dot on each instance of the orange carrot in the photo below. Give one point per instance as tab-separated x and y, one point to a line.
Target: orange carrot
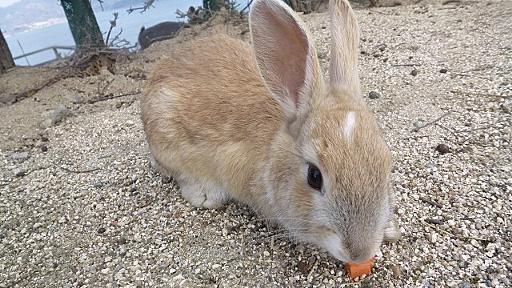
359	269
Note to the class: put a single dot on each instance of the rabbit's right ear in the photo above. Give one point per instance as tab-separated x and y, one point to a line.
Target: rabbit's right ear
285	55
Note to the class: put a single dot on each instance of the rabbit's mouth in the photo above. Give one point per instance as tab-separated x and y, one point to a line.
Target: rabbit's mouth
332	243
339	247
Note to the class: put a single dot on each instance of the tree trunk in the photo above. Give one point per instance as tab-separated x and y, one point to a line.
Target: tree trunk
83	25
6	60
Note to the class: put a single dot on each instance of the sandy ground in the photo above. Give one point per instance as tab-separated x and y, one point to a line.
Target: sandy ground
80	206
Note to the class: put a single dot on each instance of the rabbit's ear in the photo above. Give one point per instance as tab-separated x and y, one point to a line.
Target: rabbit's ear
285	55
344	47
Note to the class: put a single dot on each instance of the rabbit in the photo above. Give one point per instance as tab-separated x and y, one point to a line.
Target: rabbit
258	124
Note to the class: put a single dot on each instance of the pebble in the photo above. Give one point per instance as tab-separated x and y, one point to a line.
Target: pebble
395	269
443	149
434	221
101	230
373	95
20	156
432	237
443	70
19	172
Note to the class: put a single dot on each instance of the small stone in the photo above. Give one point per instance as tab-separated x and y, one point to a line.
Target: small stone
76	99
395	269
37	225
20	156
43	148
172	271
98	184
414	72
101	230
443	149
443	70
20	172
363	52
119	105
55	265
434	221
382	47
432	237
373	95
303	267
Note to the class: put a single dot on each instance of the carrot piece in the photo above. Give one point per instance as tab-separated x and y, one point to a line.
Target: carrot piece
359	269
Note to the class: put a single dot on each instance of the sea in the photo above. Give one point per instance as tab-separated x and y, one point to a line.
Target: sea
57	32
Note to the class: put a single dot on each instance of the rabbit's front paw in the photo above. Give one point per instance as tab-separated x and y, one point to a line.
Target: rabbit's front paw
204	194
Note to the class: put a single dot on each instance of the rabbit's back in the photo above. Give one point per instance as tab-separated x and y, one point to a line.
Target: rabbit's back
207	112
215	91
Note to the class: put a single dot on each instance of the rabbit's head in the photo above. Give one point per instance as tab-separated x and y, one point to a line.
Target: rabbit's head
328	180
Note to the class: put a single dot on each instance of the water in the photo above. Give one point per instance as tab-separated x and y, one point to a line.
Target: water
59	34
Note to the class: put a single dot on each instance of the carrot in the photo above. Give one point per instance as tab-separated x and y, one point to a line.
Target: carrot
359	269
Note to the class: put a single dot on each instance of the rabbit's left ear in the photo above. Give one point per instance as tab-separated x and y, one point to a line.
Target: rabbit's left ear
285	55
343	73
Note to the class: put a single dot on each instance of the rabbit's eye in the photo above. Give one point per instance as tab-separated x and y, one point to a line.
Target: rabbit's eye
314	177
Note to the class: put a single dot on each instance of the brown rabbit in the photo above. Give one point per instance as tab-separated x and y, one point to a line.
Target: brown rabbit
261	126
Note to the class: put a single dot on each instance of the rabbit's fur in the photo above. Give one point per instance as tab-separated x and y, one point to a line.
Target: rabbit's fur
232	121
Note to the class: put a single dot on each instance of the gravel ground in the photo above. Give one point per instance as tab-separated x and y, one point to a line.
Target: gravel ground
80	206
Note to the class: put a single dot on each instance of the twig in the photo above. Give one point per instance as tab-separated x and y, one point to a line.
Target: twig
79	171
113	23
476	238
101	4
461	238
474	129
406	65
450	1
446	128
481	94
146	6
416	129
99	99
245	8
468	75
